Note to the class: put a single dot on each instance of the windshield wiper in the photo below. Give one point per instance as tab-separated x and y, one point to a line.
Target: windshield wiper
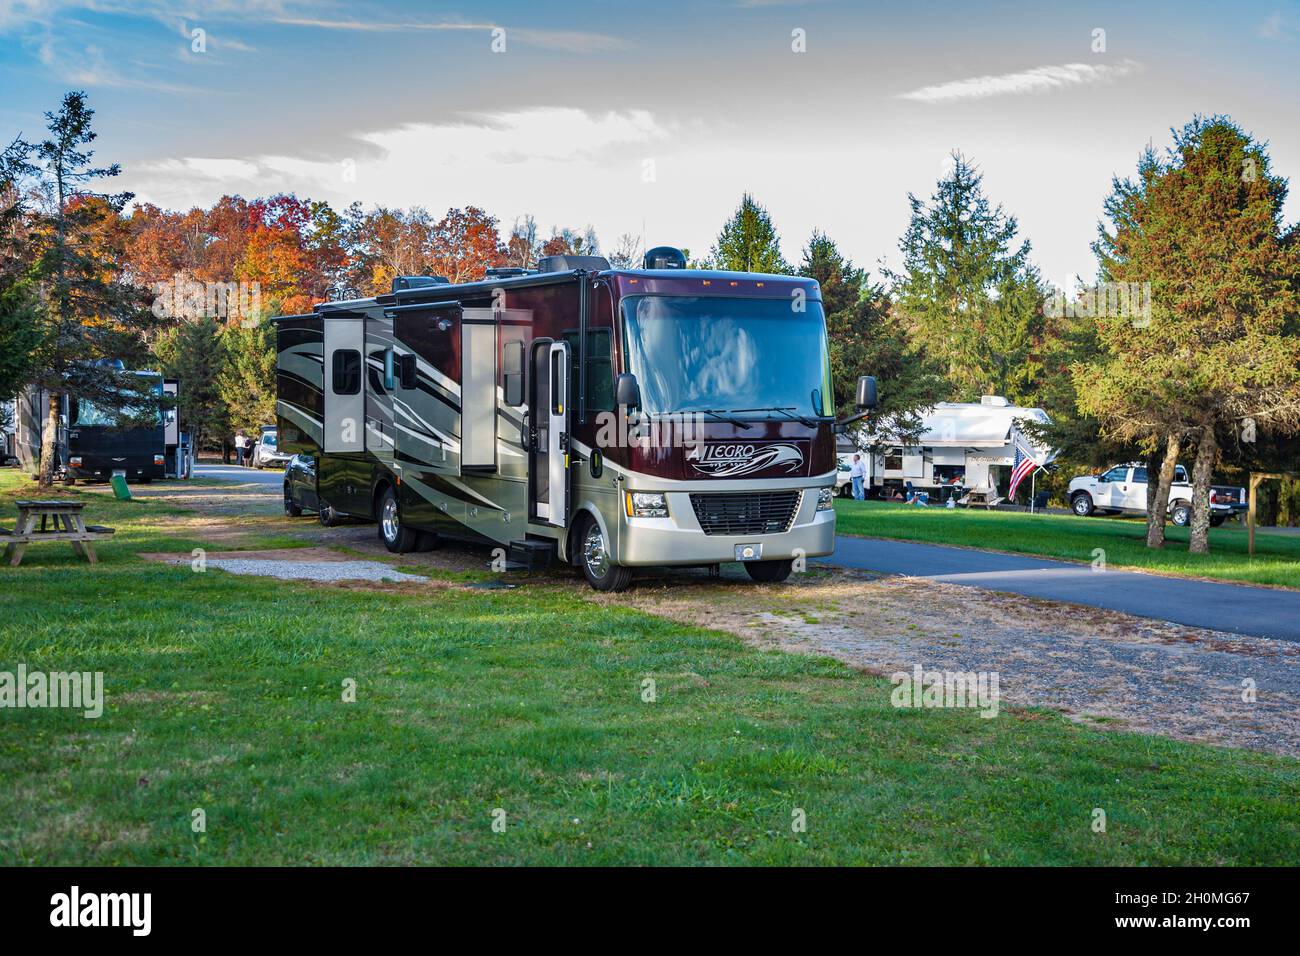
720	415
786	411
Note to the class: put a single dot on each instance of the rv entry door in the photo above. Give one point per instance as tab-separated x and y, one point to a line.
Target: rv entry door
549	411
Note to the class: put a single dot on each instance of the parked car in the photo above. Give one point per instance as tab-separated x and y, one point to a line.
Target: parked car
301	492
300	486
1123	490
266	451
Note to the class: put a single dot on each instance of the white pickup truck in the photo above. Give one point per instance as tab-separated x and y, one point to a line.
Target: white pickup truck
1123	490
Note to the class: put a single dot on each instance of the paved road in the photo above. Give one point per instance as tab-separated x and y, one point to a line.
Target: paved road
271	476
1237	608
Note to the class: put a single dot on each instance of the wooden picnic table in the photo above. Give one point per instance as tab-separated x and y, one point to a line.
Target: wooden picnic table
981	498
59	521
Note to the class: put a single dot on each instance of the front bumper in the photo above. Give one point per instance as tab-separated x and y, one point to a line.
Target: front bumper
679	539
95	468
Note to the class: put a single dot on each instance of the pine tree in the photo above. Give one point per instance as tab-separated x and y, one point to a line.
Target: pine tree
864	340
1203	226
970	298
91	317
246	382
748	242
194	352
20	308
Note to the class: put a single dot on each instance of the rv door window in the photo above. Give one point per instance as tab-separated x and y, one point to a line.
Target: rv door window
557	379
347	371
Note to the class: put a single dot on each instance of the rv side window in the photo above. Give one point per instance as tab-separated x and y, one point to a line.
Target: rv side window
406	370
347	371
512	373
894	459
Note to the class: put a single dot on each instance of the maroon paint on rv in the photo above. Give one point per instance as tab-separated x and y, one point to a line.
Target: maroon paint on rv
817	443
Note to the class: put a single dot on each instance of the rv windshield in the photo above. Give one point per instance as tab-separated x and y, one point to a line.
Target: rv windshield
753	358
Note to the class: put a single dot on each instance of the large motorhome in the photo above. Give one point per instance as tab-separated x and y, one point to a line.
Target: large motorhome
610	418
91	444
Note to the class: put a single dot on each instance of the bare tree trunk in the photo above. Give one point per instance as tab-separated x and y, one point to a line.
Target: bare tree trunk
49	440
1207	453
1158	497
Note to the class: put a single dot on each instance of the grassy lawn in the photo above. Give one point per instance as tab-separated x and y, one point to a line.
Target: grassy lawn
224	693
1276	560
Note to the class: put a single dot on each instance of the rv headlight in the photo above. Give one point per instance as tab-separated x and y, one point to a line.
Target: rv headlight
826	499
647	504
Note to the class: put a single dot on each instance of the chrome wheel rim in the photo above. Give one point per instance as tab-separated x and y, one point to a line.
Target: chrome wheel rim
1081	506
389	520
593	552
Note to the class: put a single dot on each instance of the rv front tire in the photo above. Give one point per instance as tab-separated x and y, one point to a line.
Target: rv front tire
769	572
597	566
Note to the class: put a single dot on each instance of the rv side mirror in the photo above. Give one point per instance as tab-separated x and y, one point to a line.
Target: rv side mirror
626	391
867	392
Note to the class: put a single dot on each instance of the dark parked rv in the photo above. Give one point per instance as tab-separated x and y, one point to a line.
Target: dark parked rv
612	418
93	443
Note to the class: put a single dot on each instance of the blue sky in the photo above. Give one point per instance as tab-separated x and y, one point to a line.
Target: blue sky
652	118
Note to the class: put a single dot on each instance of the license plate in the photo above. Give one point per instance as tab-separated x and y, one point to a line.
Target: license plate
749	552
119	471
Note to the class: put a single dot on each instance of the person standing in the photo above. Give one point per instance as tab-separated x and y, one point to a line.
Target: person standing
241	446
858	475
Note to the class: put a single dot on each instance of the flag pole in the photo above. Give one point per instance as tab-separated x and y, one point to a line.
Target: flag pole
1033	478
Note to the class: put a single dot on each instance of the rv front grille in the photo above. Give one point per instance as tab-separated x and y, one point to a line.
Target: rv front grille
746	512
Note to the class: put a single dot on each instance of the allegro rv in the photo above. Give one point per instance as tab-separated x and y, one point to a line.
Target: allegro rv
610	418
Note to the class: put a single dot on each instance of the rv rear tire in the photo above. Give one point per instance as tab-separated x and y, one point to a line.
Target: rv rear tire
396	537
597	567
769	572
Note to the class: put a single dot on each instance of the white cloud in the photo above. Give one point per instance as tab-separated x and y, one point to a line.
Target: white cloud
1275	27
512	162
566	41
1038	80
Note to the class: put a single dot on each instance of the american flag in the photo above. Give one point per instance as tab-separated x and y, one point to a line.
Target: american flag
1021	469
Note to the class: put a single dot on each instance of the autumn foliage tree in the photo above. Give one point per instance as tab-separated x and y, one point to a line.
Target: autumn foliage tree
1219	356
